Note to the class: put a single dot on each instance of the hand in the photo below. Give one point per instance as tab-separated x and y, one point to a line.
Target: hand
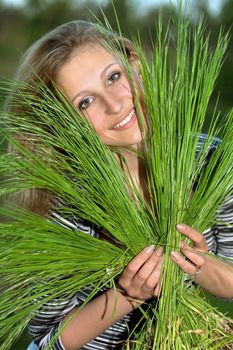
210	273
141	277
196	260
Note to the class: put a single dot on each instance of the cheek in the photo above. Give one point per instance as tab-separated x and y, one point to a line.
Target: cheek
96	120
125	88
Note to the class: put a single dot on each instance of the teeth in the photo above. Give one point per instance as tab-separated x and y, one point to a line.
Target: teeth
125	121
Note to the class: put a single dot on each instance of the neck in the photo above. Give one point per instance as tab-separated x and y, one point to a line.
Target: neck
135	169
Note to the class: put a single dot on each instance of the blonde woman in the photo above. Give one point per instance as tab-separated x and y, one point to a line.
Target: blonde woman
94	80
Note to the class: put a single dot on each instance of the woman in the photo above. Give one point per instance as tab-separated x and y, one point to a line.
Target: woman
74	57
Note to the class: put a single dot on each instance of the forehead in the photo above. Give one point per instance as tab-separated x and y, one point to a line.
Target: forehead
84	68
87	56
91	53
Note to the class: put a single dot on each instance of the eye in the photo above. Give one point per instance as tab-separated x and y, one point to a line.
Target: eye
113	77
85	103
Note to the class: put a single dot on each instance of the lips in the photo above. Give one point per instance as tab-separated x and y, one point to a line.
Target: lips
126	121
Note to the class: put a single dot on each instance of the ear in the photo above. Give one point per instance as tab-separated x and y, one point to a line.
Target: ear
136	68
135	62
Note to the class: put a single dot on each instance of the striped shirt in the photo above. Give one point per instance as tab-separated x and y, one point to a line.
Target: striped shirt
45	324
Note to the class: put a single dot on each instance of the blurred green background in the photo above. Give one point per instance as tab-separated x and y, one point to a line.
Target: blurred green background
22	24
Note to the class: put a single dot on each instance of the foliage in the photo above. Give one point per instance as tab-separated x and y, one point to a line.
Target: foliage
88	182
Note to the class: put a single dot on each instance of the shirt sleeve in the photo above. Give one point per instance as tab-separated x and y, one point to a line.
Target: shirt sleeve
223	230
44	325
220	237
46	322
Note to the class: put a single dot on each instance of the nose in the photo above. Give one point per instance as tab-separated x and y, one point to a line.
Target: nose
113	103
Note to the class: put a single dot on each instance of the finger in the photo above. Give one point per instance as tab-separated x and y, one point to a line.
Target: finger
154	277
158	289
136	263
184	264
148	268
195	236
193	256
184	245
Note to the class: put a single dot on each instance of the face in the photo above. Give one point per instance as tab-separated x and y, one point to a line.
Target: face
97	85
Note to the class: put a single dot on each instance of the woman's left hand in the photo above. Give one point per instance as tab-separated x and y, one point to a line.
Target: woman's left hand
192	261
212	274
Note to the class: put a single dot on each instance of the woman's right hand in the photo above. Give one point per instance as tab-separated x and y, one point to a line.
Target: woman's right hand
141	279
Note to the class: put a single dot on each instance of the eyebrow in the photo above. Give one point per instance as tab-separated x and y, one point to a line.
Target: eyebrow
78	94
101	75
106	68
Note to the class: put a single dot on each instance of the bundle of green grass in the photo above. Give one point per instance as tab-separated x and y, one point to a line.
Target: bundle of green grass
89	183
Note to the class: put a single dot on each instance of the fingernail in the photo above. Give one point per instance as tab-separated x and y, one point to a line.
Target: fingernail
149	249
174	255
159	251
181	227
181	244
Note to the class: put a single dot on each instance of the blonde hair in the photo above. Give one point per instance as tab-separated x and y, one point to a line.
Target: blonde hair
42	62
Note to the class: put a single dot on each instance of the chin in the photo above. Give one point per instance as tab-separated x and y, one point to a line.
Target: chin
126	140
136	140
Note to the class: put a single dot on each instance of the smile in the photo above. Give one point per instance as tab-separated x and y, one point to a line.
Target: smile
127	121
